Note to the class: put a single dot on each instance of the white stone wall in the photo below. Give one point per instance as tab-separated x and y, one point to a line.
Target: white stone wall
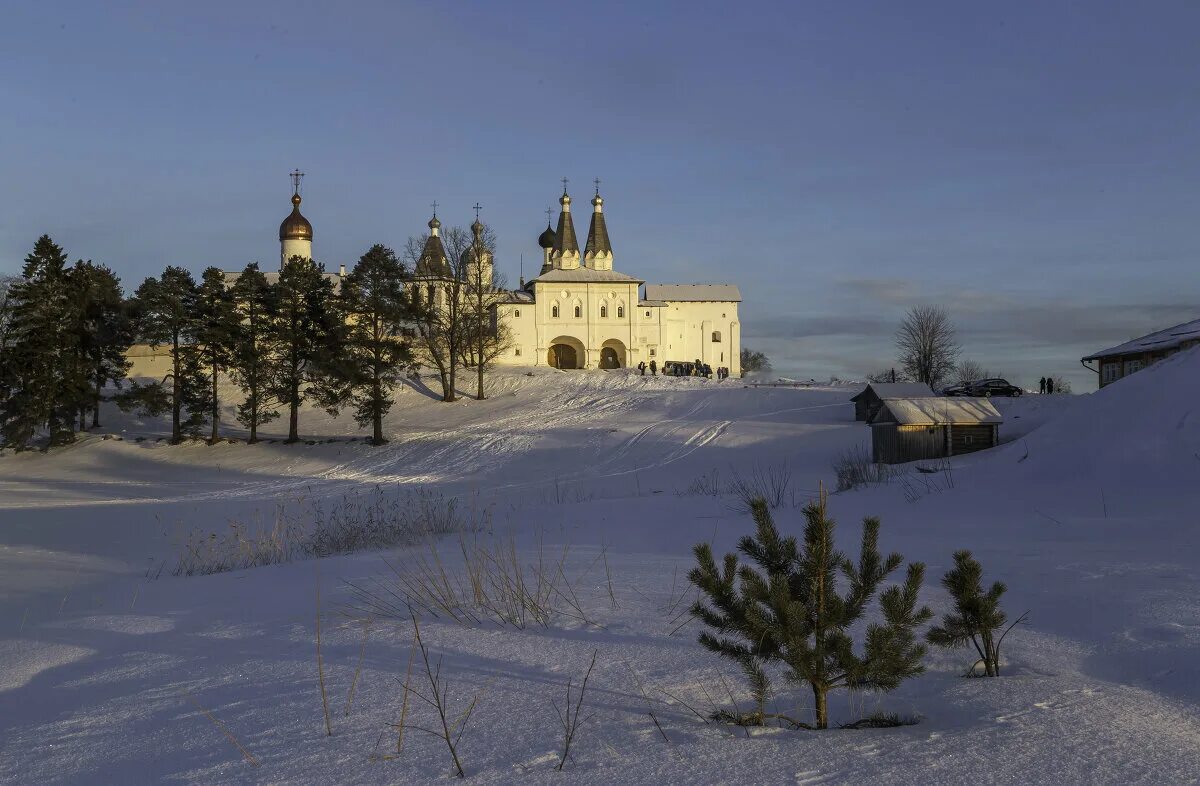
678	331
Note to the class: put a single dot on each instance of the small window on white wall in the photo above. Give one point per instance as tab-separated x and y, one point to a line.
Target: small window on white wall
647	313
603	312
578	312
517	352
716	337
517	313
620	312
554	311
653	351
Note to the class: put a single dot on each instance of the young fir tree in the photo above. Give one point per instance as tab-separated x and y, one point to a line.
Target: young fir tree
167	315
788	611
373	309
42	377
977	617
216	335
301	336
255	305
105	331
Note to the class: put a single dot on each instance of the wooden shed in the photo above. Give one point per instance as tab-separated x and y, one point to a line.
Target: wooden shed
867	403
910	429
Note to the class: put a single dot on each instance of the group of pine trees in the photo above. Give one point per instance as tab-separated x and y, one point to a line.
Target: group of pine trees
783	610
283	341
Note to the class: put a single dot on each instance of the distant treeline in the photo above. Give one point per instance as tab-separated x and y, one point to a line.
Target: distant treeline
283	339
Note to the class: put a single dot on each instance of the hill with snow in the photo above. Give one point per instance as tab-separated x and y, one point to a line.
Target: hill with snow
114	671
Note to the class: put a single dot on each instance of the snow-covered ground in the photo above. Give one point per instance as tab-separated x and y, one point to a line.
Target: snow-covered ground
1088	512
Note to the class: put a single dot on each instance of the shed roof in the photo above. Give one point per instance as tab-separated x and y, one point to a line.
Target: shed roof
683	293
937	411
1168	338
886	390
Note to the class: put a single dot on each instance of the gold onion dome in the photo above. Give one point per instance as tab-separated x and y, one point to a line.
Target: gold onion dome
434	223
295	226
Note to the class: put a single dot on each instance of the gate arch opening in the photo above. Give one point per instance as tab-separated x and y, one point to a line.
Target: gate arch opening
565	352
612	354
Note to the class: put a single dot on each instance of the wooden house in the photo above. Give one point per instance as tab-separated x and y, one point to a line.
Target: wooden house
910	429
867	403
1133	356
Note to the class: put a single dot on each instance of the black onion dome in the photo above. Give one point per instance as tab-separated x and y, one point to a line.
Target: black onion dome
546	239
295	226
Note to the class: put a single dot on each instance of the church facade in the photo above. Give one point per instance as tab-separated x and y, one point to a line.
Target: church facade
580	312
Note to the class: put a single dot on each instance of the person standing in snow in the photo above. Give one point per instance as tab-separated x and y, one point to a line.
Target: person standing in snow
1050	386
653	368
642	368
1042	385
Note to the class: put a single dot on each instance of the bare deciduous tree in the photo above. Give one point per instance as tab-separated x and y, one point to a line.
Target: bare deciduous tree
439	302
970	371
487	335
926	344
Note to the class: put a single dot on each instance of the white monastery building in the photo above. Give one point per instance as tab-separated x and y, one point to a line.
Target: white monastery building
581	313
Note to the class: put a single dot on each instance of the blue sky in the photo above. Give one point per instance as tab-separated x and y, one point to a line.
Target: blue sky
1031	166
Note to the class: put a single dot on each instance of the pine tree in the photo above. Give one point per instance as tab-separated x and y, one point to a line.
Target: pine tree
105	331
167	315
300	336
255	305
977	616
216	335
788	611
41	374
373	311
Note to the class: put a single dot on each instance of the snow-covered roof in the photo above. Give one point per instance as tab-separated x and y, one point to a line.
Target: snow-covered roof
515	296
582	275
652	303
886	390
938	410
1168	338
682	293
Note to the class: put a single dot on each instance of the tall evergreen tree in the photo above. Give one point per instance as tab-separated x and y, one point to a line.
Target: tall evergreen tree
167	315
254	302
216	335
105	331
41	376
300	336
374	308
788	610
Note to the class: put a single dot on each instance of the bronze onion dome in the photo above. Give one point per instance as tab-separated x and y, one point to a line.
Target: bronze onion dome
295	226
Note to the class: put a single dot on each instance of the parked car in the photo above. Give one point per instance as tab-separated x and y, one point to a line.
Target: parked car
957	390
986	388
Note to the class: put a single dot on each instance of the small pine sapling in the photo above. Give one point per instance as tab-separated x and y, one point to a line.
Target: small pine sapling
977	616
788	611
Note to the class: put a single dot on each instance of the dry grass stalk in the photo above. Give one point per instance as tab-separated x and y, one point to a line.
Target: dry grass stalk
612	597
362	650
320	662
570	717
249	757
451	731
649	707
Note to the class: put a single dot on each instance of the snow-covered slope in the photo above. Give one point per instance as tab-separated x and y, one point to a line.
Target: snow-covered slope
1087	514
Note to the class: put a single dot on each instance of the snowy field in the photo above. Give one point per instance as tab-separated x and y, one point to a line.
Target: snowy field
1088	512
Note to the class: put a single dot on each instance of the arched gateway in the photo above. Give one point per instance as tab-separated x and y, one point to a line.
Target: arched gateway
612	354
565	352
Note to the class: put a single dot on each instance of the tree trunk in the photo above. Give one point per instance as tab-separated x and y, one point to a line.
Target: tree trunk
96	402
294	415
176	394
216	408
819	701
479	363
377	411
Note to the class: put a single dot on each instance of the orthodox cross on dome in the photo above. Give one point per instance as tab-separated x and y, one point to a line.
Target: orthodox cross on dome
296	176
565	181
549	213
434	206
477	207
597	182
